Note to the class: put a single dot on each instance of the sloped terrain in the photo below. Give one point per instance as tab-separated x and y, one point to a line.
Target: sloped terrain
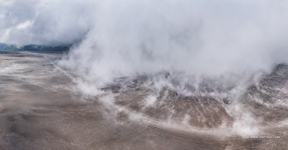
41	109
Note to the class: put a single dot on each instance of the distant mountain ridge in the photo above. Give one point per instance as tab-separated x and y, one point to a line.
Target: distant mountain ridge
5	47
32	47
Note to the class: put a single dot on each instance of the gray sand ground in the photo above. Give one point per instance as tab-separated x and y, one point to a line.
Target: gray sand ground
40	111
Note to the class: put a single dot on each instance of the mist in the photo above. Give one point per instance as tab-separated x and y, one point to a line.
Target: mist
210	53
126	37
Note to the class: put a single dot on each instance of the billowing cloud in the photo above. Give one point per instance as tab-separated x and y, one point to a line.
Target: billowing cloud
126	36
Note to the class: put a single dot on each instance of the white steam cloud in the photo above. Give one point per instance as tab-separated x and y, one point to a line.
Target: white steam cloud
126	37
225	39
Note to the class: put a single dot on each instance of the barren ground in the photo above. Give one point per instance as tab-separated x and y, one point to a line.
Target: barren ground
40	111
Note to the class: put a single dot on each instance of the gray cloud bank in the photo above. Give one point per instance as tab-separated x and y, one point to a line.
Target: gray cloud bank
125	37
